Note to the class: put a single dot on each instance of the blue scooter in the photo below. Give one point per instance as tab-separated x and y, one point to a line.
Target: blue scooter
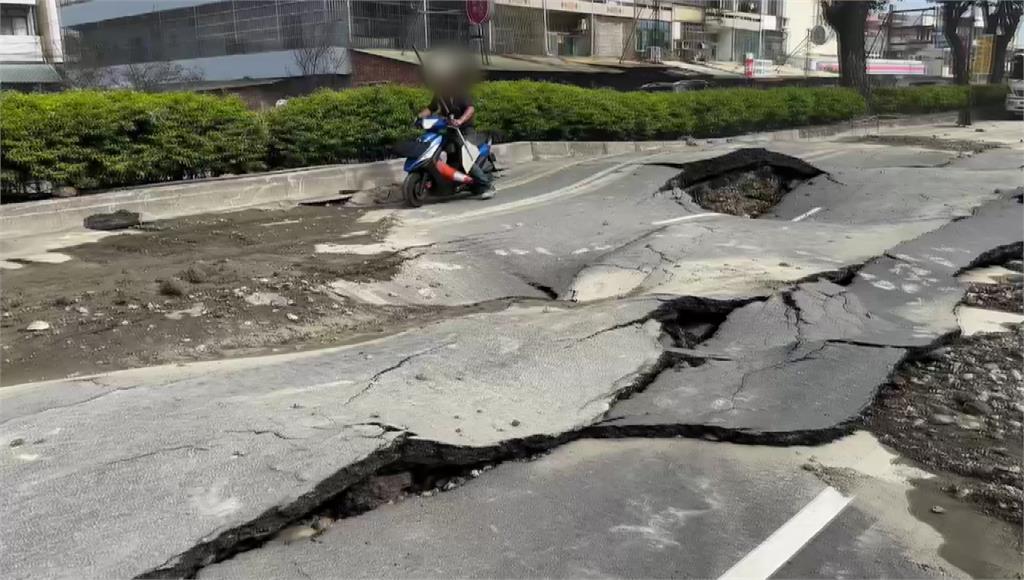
430	169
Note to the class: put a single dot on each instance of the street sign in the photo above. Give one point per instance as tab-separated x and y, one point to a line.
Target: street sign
479	11
982	56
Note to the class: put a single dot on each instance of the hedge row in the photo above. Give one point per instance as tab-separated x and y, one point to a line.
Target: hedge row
93	140
336	127
933	99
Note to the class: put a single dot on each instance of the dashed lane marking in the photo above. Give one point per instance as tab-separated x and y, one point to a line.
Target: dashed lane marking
788	540
806	214
683	218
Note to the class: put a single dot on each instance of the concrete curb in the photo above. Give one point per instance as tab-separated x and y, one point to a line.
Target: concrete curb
161	201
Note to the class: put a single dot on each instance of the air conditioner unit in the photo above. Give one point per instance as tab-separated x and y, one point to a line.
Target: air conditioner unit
653	54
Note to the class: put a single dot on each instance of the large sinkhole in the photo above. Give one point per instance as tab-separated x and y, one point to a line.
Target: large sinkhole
745	182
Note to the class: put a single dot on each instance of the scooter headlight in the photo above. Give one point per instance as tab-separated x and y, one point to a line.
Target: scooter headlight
428	123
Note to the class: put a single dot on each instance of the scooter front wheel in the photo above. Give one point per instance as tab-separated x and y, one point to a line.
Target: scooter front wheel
415	187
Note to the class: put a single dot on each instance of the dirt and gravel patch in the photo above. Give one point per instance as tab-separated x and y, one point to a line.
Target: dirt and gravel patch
1005	296
933	142
960	409
196	288
745	182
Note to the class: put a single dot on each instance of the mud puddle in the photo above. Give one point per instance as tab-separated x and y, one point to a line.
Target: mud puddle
196	288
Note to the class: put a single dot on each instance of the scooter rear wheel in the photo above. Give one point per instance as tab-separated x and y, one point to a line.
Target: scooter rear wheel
414	188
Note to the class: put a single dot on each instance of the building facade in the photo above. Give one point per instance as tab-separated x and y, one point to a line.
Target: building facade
30	45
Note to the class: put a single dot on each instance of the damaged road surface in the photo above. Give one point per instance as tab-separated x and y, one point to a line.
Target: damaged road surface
613	314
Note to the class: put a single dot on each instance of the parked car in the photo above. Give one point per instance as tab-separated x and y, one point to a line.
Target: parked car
676	86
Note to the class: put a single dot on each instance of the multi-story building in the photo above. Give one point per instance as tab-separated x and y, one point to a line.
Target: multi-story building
232	42
30	45
809	38
213	41
741	27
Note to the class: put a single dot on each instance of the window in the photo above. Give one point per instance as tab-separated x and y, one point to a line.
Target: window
14	20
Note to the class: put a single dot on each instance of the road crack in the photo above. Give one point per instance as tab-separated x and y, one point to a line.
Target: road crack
373	380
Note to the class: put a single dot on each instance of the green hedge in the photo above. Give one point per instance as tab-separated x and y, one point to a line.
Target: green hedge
94	140
934	99
343	126
337	127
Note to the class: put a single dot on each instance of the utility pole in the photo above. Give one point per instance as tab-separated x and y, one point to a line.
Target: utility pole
760	28
965	113
426	27
544	6
348	18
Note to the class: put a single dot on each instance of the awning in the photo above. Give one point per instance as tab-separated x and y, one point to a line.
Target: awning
26	73
509	63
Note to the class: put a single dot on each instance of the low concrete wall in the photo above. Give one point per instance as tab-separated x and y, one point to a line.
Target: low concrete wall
183	198
233	193
858	127
194	197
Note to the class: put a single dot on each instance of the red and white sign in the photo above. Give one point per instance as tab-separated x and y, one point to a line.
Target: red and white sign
877	66
479	11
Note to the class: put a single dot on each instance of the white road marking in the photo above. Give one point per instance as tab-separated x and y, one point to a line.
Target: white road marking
519	252
819	155
788	540
586	185
806	214
683	218
541	250
358	249
580	251
501	252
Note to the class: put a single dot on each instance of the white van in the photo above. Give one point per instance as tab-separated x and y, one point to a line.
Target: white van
1015	78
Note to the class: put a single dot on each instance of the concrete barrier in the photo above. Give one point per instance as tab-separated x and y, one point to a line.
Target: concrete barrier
239	192
514	153
550	149
200	196
619	147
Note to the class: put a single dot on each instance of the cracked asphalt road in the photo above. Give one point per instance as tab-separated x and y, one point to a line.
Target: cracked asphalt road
166	470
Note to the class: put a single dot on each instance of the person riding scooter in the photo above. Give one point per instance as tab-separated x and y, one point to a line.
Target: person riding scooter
452	100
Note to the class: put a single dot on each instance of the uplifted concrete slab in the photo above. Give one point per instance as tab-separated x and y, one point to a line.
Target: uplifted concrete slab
774	393
636	508
812	357
502	248
143	465
914	285
729	257
891	195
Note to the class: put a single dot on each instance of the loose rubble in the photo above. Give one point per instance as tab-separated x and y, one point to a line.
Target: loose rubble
960	410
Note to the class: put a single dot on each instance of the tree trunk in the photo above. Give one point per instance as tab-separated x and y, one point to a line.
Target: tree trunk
952	12
1001	23
995	74
847	19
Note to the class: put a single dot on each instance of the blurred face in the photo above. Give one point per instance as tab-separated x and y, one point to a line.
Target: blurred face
450	72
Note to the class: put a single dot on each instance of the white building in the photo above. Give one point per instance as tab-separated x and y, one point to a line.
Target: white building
30	45
809	37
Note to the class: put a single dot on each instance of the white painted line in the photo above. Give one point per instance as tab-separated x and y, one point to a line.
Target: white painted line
806	214
785	542
683	218
819	155
588	184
